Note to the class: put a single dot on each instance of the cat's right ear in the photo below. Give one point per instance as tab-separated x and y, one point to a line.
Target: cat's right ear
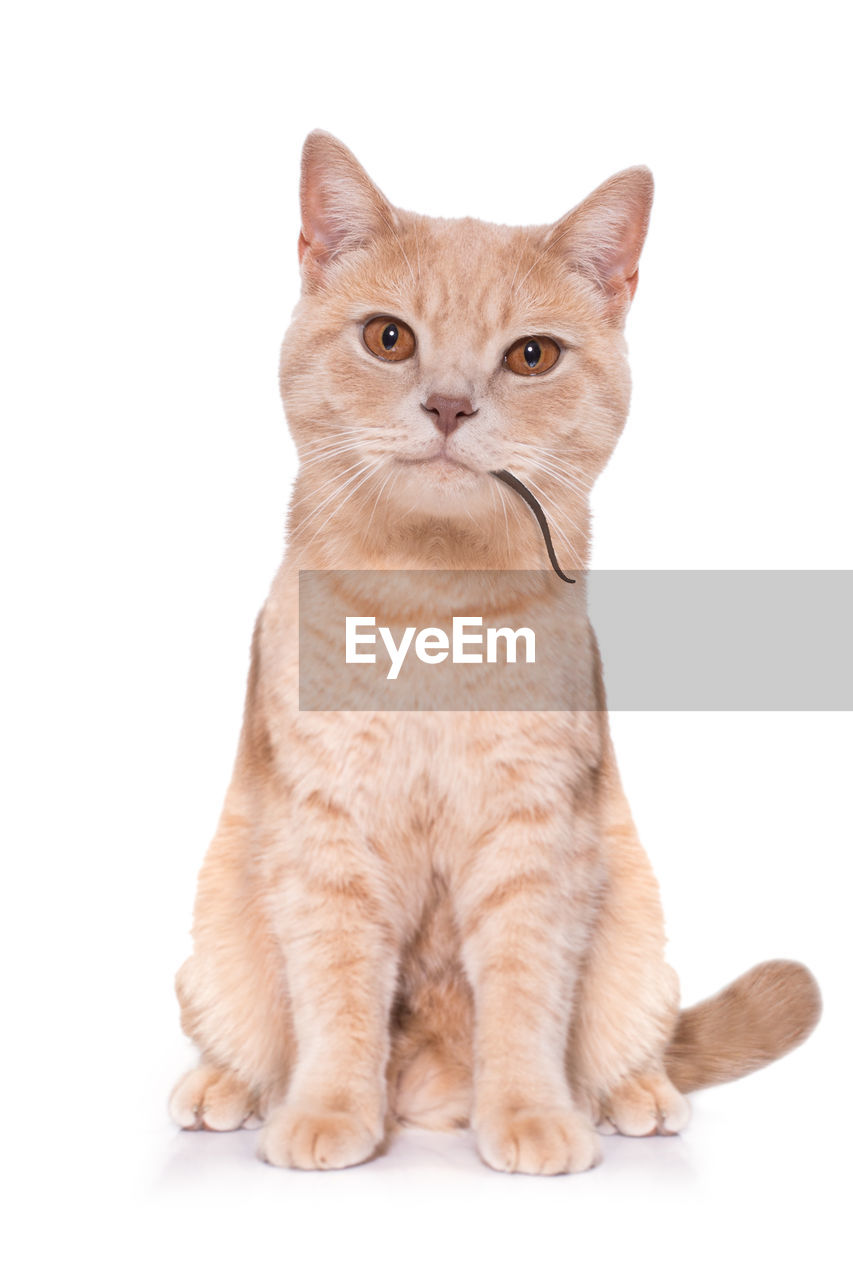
341	208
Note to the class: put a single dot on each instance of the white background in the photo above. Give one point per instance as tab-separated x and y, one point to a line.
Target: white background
150	218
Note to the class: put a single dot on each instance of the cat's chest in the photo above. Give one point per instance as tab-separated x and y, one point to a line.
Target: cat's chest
425	777
430	776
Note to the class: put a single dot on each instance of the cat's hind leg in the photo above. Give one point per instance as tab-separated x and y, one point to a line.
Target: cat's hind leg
643	1105
231	990
430	1071
210	1097
628	996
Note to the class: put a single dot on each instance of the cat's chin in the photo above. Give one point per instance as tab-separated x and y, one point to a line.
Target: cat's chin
438	466
440	485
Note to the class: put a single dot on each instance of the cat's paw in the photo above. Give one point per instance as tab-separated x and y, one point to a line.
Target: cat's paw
645	1105
212	1098
534	1140
301	1138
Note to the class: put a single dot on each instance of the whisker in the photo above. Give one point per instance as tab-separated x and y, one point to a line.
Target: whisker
345	451
568	542
393	231
560	477
339	440
574	468
525	247
371	471
418	247
554	453
391	475
500	494
332	495
551	243
557	463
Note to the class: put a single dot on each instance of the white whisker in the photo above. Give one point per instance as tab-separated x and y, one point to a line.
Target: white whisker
418	247
500	492
390	475
574	478
551	243
552	521
342	439
518	262
393	231
560	477
332	495
371	471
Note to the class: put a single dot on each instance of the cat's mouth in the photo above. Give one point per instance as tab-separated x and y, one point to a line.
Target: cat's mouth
440	461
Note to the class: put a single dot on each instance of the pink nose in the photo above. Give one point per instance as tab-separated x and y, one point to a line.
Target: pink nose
448	412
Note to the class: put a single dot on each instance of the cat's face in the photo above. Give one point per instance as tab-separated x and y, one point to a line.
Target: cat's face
427	353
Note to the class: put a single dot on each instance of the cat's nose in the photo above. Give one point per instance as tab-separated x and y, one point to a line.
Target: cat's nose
449	411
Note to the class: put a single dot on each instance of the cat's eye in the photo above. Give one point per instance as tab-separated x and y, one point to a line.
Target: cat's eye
389	339
532	355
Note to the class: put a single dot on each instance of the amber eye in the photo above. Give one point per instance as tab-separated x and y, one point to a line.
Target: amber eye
532	355
388	339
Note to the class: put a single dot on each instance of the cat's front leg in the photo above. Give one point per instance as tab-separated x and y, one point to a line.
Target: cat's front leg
341	961
523	913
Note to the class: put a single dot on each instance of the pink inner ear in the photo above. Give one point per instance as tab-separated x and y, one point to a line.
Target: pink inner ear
321	233
341	207
615	257
603	236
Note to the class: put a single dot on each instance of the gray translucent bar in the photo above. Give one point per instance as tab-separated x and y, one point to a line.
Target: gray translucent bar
713	640
669	640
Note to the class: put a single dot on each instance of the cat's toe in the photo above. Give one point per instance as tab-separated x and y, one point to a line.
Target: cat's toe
646	1105
297	1138
542	1141
212	1098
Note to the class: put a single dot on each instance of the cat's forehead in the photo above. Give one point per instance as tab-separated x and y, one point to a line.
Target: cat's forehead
464	274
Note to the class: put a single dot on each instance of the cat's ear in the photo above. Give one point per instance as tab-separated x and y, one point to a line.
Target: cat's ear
341	208
602	236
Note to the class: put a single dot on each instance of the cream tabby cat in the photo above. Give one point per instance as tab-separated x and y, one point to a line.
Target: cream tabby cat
430	917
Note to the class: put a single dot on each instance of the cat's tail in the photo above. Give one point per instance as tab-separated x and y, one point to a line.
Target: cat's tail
756	1019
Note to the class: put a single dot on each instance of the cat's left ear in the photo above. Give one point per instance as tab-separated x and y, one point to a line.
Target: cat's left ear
341	208
602	236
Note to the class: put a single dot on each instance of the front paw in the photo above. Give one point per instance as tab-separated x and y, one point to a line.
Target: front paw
537	1140
299	1137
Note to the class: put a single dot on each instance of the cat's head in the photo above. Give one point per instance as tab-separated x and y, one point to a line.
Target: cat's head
427	353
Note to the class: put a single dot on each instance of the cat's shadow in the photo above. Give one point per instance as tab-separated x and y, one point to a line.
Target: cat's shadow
197	1159
663	1159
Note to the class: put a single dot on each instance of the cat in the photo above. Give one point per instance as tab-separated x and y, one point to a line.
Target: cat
414	917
